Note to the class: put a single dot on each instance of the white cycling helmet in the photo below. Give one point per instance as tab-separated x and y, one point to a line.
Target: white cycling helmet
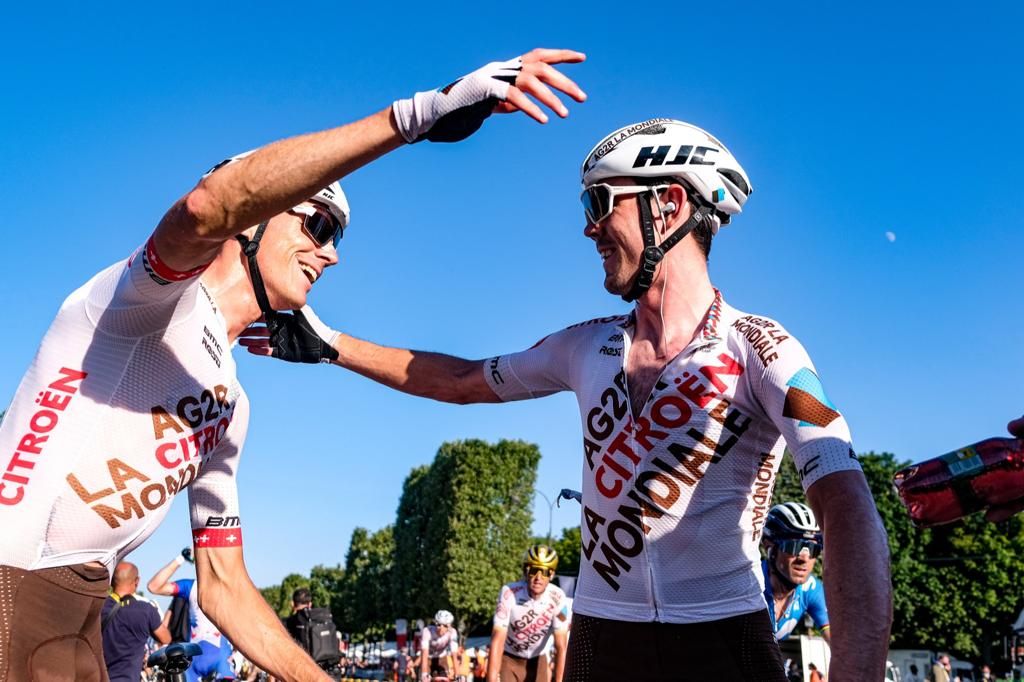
443	617
665	147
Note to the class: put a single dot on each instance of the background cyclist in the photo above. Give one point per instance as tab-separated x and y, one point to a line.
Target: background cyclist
216	657
792	540
439	643
530	612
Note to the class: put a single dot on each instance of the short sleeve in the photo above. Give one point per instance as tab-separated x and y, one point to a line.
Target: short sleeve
213	497
814	430
183	587
503	612
541	370
816	605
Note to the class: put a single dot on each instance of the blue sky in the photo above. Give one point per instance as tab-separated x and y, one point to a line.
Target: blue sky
851	123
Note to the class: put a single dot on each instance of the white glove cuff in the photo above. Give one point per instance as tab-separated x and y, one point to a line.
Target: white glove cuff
179	560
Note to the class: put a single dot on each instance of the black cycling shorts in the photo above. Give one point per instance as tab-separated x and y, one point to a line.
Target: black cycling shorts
740	649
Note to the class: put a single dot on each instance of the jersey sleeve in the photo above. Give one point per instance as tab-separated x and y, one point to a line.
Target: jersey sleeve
141	295
562	615
425	639
541	370
183	587
153	619
816	604
213	496
794	398
502	614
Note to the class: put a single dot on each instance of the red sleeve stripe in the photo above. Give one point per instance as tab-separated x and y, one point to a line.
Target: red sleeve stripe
164	271
217	537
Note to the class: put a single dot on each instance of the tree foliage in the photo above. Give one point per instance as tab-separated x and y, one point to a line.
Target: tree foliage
480	523
365	604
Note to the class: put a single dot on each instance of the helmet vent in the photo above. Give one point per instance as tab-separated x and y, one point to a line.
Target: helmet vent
736	179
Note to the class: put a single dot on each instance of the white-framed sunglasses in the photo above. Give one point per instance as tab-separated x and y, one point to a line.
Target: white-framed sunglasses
599	199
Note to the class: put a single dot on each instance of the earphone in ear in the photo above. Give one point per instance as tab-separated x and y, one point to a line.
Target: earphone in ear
670	207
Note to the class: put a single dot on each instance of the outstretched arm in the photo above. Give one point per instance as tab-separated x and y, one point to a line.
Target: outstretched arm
429	375
229	598
858	587
281	175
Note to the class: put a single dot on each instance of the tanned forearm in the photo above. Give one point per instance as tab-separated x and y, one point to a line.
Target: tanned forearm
561	647
429	375
269	181
229	598
497	651
160	583
858	588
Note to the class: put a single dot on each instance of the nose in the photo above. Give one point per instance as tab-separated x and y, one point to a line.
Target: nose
329	254
590	230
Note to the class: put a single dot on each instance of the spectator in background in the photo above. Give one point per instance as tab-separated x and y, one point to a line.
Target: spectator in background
914	675
815	675
941	671
986	673
295	624
126	624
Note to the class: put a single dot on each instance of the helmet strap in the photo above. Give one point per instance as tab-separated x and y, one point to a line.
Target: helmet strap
250	247
653	253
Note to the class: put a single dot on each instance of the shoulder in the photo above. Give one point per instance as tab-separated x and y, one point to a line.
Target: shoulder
556	592
610	325
758	336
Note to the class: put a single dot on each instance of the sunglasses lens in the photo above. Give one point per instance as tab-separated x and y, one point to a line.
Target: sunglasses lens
534	570
323	228
795	547
596	202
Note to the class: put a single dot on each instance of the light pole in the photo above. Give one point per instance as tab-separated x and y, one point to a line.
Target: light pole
551	511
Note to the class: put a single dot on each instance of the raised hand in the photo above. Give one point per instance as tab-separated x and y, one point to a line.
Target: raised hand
456	111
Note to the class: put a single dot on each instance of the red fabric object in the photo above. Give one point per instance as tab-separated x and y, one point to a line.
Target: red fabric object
947	488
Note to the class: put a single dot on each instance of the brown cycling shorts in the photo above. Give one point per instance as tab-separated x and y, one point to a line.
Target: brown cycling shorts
50	624
515	669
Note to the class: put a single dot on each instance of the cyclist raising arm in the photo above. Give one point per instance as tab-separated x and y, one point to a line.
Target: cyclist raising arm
133	394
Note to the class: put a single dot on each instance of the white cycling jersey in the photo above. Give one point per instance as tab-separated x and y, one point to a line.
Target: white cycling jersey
675	491
436	644
530	623
131	398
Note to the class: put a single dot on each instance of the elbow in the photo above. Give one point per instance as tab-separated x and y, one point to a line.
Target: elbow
203	211
153	587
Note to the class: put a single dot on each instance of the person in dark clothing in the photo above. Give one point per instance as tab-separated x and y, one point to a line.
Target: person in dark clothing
296	623
127	623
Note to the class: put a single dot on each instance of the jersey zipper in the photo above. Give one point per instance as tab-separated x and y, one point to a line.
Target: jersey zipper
626	344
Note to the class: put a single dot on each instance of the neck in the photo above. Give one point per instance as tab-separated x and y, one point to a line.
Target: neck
122	592
672	311
227	280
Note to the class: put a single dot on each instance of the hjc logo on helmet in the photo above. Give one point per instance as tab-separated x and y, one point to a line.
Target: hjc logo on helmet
656	156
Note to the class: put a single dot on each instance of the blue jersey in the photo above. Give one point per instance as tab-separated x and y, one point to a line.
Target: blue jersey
806	598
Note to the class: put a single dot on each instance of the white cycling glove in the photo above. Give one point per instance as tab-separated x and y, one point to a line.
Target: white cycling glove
455	112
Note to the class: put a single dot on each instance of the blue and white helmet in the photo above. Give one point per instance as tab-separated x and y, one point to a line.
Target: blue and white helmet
443	617
791	521
665	147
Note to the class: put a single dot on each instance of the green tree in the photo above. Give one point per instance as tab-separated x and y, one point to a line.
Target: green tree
411	553
568	548
326	588
365	603
280	596
472	510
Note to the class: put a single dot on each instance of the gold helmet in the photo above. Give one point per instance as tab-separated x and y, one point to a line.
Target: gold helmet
541	555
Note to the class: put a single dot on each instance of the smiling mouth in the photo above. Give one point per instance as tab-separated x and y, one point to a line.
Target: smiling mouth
309	272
